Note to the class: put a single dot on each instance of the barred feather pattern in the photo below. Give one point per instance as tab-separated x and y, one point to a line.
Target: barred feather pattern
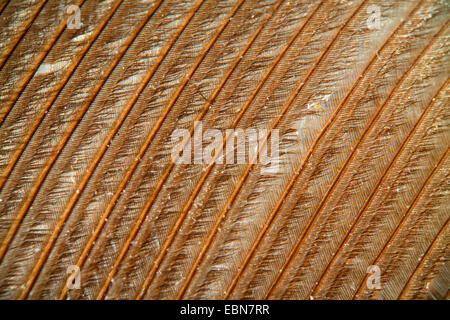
357	90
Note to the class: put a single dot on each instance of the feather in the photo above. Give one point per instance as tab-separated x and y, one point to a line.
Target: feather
353	95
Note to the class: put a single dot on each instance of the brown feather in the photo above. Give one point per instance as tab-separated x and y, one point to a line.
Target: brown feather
87	179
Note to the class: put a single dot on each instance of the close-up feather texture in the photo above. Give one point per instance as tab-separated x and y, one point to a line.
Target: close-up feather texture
352	94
